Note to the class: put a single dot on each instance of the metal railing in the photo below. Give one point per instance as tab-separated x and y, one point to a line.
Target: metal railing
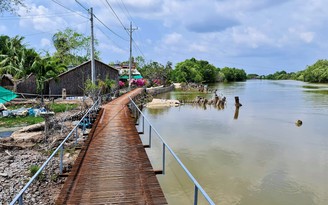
60	148
136	111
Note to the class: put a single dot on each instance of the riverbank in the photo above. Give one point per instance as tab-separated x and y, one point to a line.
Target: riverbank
27	147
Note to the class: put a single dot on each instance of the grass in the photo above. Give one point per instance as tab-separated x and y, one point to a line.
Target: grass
62	107
33	170
310	86
19	121
325	92
16	121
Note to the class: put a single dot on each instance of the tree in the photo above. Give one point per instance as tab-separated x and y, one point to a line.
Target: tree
192	70
72	48
45	68
317	73
11	5
15	58
233	74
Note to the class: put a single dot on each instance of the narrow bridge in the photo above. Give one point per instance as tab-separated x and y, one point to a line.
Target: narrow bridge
113	167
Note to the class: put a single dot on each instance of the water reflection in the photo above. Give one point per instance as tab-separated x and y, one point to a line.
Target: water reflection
277	188
261	158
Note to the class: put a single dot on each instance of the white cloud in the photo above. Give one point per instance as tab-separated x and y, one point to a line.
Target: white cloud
198	48
307	36
249	36
172	38
41	19
45	42
3	28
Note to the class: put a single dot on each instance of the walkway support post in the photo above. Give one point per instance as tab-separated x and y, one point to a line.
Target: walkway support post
149	136
163	158
196	195
61	159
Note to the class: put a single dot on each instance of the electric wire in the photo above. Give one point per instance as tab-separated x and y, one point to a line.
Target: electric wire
69	9
109	38
116	15
131	19
110	29
36	16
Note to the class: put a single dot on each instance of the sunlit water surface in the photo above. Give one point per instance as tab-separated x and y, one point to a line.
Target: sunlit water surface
261	157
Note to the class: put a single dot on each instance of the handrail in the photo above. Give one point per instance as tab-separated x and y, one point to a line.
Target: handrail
19	196
165	145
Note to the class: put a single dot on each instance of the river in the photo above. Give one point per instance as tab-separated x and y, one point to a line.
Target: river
258	157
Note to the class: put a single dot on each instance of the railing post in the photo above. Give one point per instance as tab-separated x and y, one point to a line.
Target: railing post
196	195
143	124
20	200
61	159
76	136
163	158
149	136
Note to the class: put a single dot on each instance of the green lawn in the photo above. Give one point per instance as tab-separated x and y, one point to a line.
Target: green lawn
19	121
30	120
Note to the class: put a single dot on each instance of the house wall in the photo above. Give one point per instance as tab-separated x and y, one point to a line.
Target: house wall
6	83
74	80
28	85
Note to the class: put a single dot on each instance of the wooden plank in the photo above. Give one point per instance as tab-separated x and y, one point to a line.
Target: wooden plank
113	166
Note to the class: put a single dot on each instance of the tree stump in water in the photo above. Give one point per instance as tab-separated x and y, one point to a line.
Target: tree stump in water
237	103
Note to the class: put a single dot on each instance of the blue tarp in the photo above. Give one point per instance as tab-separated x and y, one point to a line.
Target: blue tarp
6	95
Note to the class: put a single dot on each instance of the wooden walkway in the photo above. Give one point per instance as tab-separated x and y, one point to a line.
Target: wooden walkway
113	167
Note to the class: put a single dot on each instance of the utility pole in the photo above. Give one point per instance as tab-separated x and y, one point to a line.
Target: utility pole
93	69
130	59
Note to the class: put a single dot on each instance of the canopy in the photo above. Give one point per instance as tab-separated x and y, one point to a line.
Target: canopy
126	77
6	95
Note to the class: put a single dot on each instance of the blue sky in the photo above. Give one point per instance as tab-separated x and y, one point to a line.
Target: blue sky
259	36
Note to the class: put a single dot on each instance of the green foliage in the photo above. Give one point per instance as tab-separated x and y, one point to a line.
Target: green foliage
34	169
62	107
19	121
280	75
192	70
72	48
45	68
15	58
154	71
233	74
11	5
101	87
317	73
253	76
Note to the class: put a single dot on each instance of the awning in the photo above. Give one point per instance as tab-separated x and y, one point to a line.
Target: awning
6	95
126	77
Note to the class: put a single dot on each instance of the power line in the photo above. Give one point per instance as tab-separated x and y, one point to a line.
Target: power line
109	28
136	45
69	9
36	16
110	38
33	34
116	15
127	11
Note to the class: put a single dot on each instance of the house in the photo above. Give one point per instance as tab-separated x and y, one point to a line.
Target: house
28	85
74	79
124	71
6	81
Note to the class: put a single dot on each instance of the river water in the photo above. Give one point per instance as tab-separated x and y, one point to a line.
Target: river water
258	157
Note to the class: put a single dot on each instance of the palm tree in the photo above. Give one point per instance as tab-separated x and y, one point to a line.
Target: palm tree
13	61
45	68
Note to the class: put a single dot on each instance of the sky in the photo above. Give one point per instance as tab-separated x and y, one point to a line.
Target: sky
259	36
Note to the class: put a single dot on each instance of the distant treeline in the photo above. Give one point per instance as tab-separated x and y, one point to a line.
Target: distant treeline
190	70
316	73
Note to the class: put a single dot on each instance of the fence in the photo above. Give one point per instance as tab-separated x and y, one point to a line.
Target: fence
137	112
60	148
